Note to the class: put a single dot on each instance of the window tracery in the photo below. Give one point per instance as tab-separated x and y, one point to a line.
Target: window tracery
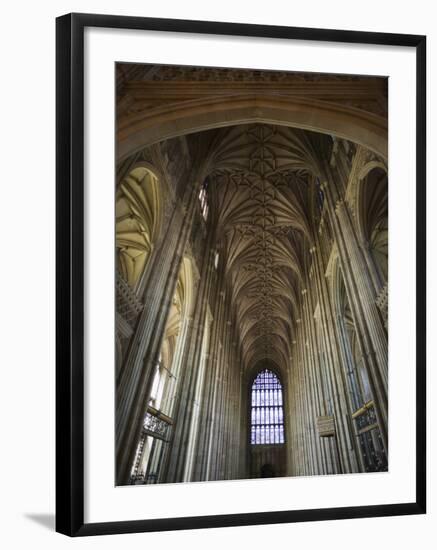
267	413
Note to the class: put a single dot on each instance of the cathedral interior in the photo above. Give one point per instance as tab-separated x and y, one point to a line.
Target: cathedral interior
252	274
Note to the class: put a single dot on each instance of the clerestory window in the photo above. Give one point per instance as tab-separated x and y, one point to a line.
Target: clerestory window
204	207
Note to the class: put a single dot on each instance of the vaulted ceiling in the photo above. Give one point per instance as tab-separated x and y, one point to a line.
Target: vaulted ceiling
262	179
263	192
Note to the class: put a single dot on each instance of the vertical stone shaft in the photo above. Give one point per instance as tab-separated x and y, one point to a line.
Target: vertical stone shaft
184	406
134	382
206	425
334	370
370	331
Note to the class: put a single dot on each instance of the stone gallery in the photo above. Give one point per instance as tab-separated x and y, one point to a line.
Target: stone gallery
252	274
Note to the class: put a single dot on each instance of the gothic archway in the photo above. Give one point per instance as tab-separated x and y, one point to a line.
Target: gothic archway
137	207
372	212
139	130
267	439
257	192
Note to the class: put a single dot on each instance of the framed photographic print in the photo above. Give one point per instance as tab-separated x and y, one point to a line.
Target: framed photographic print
240	274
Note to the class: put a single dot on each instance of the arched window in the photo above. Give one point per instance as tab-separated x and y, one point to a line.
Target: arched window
204	207
267	414
320	196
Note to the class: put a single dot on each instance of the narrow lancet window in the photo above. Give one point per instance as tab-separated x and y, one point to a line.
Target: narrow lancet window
204	207
267	415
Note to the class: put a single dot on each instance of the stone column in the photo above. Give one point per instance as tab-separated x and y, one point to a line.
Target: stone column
371	334
244	406
132	385
226	404
215	299
334	370
316	381
216	447
290	421
184	406
234	422
306	458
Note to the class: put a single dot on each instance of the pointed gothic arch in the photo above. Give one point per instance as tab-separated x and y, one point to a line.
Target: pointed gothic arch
372	214
137	211
274	176
267	409
135	131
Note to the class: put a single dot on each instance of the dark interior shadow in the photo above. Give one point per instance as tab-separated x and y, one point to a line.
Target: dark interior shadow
46	520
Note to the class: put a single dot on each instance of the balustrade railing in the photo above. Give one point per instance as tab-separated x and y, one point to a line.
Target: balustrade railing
158	425
369	439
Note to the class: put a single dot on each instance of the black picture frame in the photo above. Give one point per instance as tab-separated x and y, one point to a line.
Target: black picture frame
70	273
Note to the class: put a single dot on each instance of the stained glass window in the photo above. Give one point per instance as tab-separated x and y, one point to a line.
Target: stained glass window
267	413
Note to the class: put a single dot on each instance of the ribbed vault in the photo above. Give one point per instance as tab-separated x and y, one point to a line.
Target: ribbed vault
263	191
137	211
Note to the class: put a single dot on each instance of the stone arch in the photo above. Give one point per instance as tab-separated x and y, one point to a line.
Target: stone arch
138	214
180	312
258	366
372	215
250	375
138	130
266	421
